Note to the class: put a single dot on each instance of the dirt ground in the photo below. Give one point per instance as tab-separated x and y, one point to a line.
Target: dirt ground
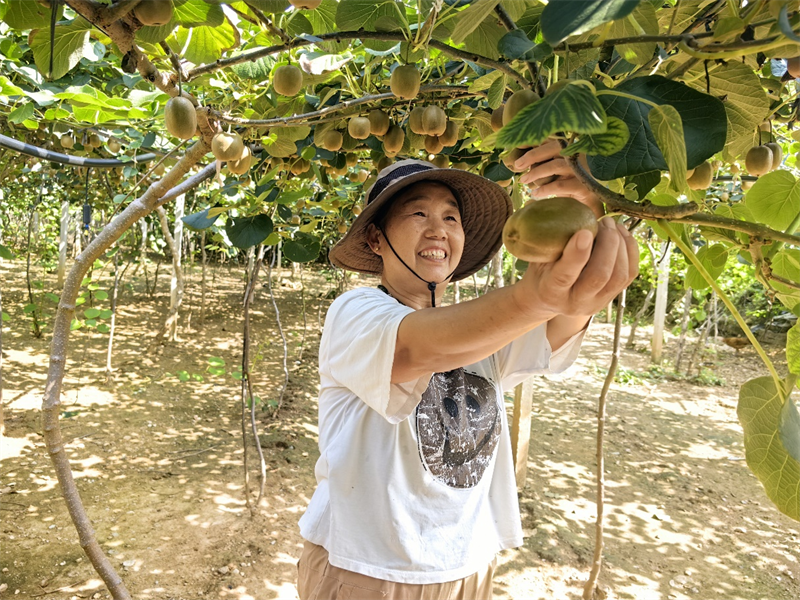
158	462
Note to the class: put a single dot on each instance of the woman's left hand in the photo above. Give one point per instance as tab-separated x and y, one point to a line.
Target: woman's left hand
545	163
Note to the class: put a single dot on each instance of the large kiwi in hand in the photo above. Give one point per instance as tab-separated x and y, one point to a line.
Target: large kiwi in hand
539	231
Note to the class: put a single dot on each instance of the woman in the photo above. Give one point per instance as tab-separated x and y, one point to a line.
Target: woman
416	491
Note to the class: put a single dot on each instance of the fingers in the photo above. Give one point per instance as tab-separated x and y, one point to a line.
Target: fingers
543	153
556	166
572	263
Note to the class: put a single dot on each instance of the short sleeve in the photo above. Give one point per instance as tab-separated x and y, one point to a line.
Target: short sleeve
357	352
531	354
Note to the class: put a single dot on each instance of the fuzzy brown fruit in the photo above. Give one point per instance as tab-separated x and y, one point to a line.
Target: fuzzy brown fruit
154	12
433	145
287	80
332	140
539	231
497	118
404	82
67	141
510	158
351	159
758	160
702	176
393	140
180	118
450	136
441	161
227	146
305	4
777	154
416	122
113	146
241	166
434	120
359	128
517	102
378	122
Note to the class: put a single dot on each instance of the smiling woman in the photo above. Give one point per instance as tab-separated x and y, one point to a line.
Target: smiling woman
416	488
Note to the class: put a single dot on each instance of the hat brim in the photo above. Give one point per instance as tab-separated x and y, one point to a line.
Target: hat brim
485	207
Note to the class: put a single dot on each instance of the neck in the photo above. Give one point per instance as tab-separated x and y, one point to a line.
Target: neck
413	294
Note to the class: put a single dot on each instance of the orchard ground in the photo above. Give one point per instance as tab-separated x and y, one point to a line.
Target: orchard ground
158	461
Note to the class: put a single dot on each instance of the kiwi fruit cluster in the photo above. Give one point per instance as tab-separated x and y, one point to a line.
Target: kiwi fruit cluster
432	123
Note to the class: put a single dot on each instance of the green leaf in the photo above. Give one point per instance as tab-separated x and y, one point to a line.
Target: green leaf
106	313
216	361
358	14
485	38
75	324
5	317
563	18
207	43
793	349
494	97
248	231
71	44
303	248
713	258
484	82
6	253
470	18
790	428
667	127
216	370
786	264
612	140
9	89
271	7
52	297
497	171
101	295
199	221
642	21
27	14
194	13
257	70
774	199
103	328
29	308
515	44
572	108
785	25
703	117
91	313
183	375
22	113
760	412
153	34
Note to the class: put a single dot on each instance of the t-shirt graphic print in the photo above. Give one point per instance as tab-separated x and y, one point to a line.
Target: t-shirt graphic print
458	427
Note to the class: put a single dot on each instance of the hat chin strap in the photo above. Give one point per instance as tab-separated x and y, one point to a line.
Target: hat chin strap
431	284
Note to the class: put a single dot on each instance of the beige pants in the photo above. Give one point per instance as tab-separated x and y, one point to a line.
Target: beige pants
317	579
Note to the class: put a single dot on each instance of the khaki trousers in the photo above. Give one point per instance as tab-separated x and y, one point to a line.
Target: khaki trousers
317	579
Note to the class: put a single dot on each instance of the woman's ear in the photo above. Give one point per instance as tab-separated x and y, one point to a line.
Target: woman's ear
373	238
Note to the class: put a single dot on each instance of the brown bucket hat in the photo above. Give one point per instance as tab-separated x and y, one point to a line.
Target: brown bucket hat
485	207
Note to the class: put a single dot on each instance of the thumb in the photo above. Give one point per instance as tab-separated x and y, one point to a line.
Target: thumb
574	258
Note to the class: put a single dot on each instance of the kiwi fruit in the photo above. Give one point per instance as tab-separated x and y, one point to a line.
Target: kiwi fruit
113	146
227	146
359	127
434	120
702	176
404	82
287	80
378	122
497	118
305	4
95	141
67	141
758	160
362	177
441	161
433	145
332	140
777	154
159	169
180	118
351	159
510	158
383	162
450	136
416	122
734	169
393	140
301	165
154	12
516	102
539	231
242	165
747	184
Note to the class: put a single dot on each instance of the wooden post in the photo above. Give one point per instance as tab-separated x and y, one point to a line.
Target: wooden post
521	429
662	288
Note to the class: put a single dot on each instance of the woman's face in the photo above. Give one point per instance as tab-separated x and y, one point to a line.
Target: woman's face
424	227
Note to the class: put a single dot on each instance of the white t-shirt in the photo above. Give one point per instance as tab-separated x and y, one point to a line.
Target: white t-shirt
415	482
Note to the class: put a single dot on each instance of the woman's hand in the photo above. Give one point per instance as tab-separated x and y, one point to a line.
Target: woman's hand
544	163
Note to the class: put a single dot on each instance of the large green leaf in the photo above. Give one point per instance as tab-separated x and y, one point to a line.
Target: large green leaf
746	103
786	264
248	231
563	18
793	349
760	408
358	14
642	21
789	429
194	13
667	127
611	140
470	18
573	108
28	14
200	220
485	38
270	6
205	44
71	44
713	258
703	117
303	248
774	199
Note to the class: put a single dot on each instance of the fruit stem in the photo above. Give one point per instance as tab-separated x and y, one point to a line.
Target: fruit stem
690	256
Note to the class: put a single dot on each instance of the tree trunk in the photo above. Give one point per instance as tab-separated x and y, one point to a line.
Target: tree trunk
497	269
170	327
662	288
114	292
645	305
176	286
62	243
687	307
143	255
77	247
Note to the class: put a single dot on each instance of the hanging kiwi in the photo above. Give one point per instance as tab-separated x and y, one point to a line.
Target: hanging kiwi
758	160
180	118
287	80
441	161
433	145
351	159
359	127
701	177
67	141
434	120
113	146
227	146
510	158
383	162
450	136
516	102
393	140
404	82
497	118
154	12
241	166
378	122
777	154
416	122
332	140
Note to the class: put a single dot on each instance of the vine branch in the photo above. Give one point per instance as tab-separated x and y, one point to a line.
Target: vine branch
533	68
